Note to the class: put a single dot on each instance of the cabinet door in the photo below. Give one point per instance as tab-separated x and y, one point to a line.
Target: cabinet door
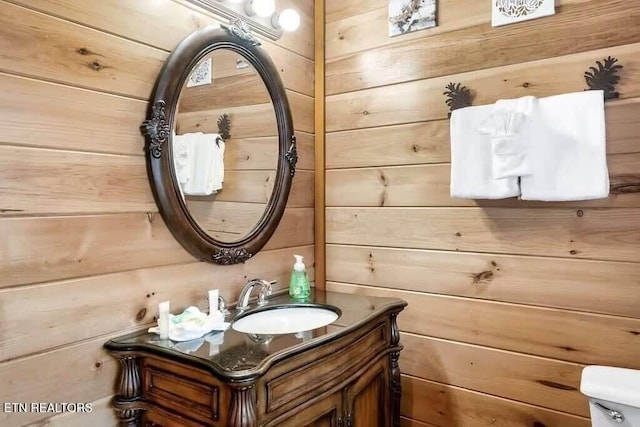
368	398
156	417
325	413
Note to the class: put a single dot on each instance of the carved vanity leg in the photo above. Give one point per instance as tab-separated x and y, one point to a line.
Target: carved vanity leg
243	406
127	401
396	388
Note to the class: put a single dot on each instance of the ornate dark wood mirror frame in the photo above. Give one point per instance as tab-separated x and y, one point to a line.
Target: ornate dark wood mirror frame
159	129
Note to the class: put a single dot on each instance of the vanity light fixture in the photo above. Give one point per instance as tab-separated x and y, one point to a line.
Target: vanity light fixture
259	15
288	20
262	8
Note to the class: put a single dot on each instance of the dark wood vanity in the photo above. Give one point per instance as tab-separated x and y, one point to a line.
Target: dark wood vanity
344	374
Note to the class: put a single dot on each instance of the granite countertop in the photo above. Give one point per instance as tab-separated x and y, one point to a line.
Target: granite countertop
236	356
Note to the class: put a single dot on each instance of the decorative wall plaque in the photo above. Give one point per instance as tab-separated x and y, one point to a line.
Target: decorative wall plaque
512	11
406	16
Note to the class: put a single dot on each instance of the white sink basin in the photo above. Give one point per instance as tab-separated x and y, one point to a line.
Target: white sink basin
284	320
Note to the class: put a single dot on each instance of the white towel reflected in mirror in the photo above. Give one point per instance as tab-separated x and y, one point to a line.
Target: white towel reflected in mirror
199	163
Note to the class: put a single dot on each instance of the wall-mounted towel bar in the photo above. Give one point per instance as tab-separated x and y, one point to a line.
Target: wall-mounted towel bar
604	76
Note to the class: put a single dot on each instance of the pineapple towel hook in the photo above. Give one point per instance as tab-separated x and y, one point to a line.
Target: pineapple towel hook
604	77
224	127
458	96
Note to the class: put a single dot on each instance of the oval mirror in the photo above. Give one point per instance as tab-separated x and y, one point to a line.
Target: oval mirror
221	151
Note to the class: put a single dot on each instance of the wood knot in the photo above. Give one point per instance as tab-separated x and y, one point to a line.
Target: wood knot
415	148
365	113
580	213
482	276
458	234
141	314
526	84
558	386
98	364
625	188
384	180
340	36
573	252
95	66
83	51
151	216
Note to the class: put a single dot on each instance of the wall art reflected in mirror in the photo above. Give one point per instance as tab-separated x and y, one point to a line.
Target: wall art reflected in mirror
220	143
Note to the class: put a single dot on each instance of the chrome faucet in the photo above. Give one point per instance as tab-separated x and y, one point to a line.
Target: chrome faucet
265	291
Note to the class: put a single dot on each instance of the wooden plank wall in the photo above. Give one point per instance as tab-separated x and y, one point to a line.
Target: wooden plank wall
85	256
507	300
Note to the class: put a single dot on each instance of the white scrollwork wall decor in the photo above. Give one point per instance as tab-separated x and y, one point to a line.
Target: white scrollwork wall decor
512	11
201	75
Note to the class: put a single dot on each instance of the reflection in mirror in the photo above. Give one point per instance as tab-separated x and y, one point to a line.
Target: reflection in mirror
226	180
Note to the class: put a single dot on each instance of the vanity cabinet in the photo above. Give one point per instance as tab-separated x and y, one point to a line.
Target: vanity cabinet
346	375
363	403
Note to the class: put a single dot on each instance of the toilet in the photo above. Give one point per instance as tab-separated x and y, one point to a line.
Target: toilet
614	395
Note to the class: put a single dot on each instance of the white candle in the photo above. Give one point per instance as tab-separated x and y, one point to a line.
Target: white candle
163	319
213	301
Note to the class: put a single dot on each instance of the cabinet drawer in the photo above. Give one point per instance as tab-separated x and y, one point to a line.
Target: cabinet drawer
311	374
178	388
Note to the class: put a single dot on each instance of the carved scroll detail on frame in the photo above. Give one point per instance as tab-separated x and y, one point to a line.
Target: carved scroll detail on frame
292	155
604	77
240	29
157	129
458	97
230	256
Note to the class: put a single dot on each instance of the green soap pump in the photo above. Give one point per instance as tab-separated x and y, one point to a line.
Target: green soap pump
299	287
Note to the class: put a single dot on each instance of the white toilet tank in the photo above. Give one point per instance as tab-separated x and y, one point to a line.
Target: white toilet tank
614	395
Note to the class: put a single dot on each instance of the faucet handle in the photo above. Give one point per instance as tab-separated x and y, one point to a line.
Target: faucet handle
222	306
265	291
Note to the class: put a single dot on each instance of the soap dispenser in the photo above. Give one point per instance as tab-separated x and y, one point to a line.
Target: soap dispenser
299	287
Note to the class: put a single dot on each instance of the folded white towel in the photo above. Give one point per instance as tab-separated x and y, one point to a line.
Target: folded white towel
207	165
471	159
568	152
508	126
183	160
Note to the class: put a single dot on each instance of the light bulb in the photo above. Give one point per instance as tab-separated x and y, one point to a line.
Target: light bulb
264	8
289	20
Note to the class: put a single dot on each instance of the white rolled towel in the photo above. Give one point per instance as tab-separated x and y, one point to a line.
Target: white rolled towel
471	158
509	127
